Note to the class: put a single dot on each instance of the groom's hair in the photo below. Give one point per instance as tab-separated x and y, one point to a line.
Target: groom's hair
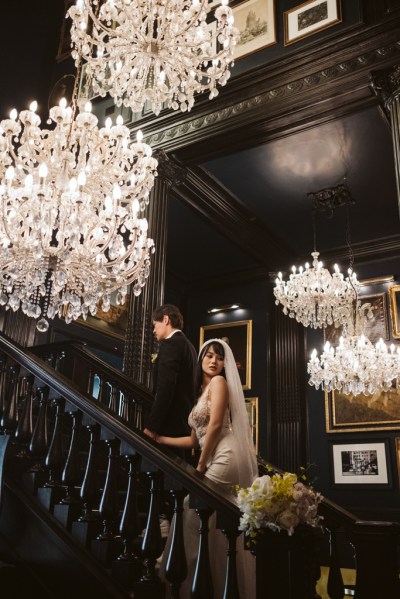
172	312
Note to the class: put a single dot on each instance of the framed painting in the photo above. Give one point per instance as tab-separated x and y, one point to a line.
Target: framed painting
352	413
252	412
309	18
239	336
360	464
397	442
394	298
376	328
114	322
255	20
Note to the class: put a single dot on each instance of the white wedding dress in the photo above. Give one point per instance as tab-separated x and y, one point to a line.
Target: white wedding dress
222	468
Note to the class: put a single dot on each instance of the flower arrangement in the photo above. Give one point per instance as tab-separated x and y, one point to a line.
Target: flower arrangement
278	502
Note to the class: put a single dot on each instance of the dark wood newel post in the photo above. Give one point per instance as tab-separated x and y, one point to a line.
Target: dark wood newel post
139	336
376	557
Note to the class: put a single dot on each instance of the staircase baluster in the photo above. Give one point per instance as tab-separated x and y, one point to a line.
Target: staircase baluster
23	433
202	582
176	566
335	584
9	417
152	542
3	382
129	526
38	444
138	415
231	589
109	500
90	381
54	457
124	405
113	402
89	492
104	392
70	474
59	364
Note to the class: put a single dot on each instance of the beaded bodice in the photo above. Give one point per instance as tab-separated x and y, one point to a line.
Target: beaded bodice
199	417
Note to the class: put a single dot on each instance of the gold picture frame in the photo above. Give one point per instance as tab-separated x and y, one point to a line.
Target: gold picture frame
353	413
239	336
397	445
114	322
376	328
310	17
252	412
394	301
255	20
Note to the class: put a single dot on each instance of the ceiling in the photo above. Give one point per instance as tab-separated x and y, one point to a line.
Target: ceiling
273	180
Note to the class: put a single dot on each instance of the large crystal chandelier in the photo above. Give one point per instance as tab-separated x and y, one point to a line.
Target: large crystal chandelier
71	198
315	297
155	51
356	365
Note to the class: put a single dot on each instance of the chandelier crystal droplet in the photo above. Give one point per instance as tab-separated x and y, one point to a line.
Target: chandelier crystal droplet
161	52
71	198
356	365
315	297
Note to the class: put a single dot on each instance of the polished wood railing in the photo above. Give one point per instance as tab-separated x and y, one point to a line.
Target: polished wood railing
78	452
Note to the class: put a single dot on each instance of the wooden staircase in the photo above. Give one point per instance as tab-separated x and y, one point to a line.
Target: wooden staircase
82	487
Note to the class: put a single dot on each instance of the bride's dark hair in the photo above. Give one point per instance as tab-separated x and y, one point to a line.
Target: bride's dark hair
219	349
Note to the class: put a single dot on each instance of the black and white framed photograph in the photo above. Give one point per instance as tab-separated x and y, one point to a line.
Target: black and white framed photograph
309	18
360	464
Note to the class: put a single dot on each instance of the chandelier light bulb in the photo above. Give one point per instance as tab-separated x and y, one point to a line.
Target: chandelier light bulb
69	234
162	52
315	297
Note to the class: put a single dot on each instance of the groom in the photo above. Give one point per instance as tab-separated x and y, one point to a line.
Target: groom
174	376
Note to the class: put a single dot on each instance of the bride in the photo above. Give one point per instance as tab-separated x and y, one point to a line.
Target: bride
221	429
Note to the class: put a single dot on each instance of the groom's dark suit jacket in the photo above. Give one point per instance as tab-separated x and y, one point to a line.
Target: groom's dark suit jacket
174	377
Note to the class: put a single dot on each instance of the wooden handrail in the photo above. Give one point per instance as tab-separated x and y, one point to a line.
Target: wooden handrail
178	469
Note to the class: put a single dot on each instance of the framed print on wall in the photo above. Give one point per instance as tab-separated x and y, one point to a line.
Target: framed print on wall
255	20
238	335
252	412
309	18
359	464
352	413
114	322
375	328
394	298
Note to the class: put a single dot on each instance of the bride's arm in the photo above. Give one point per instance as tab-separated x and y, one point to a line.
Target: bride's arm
185	442
218	407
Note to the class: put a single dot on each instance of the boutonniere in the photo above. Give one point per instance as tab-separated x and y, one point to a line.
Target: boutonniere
153	358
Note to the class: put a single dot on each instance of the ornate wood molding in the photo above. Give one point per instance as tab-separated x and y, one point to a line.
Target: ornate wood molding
309	87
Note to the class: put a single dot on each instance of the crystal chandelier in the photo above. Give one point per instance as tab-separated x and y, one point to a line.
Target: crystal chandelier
70	202
155	51
315	297
356	365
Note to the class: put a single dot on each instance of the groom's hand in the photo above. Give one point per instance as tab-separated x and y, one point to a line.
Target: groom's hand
150	433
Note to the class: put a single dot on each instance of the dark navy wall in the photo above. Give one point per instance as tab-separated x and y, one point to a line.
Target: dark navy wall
254	300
